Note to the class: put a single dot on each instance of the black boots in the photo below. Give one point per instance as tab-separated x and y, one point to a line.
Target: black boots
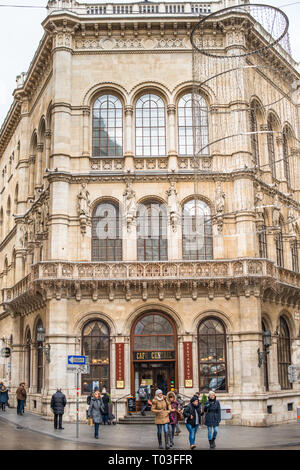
167	440
159	441
212	444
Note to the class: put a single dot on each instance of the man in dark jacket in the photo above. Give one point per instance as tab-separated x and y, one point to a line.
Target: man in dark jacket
58	403
21	398
143	396
192	415
212	418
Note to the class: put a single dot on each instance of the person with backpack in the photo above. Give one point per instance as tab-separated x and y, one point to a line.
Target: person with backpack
162	409
192	415
212	409
143	396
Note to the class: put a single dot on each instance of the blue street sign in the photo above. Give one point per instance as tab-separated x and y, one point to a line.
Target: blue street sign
77	360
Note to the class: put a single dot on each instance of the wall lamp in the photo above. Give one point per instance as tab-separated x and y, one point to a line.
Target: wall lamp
267	343
40	337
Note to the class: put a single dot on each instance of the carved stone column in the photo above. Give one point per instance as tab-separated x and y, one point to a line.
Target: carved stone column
85	132
172	153
38	167
48	135
128	141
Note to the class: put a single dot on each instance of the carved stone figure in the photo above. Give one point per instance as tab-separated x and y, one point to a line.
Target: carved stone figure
84	201
276	211
130	205
220	206
173	206
292	224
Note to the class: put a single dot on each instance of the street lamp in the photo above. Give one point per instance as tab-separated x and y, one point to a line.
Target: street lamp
267	342
40	337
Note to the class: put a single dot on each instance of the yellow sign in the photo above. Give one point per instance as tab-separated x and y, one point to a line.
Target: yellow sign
188	383
120	383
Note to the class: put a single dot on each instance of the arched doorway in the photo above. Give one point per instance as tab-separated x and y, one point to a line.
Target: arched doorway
154	353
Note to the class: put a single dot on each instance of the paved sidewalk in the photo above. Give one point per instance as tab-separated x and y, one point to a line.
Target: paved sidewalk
137	436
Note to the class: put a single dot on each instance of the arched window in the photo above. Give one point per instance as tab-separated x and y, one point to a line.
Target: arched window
107	127
153	332
284	353
262	240
28	357
265	360
150	126
212	355
196	231
96	345
271	124
286	136
254	128
106	233
192	124
279	247
294	253
152	242
39	359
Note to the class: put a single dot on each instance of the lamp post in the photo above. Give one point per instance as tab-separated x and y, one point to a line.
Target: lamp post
40	337
267	343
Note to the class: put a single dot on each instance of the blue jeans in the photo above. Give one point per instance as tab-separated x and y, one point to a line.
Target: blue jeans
212	429
96	425
192	433
20	407
159	428
105	418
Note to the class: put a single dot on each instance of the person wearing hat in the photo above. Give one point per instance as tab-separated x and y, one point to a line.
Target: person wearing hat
162	409
192	415
212	409
3	396
58	403
21	398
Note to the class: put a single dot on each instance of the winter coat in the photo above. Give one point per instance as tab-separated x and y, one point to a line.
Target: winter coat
146	396
105	400
58	403
174	406
213	413
95	410
160	407
21	393
191	410
3	394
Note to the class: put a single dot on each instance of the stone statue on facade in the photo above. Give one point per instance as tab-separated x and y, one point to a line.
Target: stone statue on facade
173	206
219	206
276	211
84	205
129	205
292	224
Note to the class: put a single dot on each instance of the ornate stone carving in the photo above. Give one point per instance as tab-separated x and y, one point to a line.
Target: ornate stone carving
173	206
276	212
219	206
83	207
129	205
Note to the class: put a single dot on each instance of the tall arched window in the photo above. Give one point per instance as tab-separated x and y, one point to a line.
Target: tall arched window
107	127
212	355
196	231
150	126
286	136
262	240
152	242
28	357
39	360
192	124
96	345
106	233
284	353
254	128
265	360
279	247
294	253
271	125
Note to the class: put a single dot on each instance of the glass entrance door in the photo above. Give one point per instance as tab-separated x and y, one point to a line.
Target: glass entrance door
156	375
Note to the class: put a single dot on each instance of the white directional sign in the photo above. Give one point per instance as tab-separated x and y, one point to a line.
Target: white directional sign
83	369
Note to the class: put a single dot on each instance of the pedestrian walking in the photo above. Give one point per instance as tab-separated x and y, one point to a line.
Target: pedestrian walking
175	408
162	410
192	415
105	399
3	396
95	411
212	409
143	396
21	398
58	403
181	404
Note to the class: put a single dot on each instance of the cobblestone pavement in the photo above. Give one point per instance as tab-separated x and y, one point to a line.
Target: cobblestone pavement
137	436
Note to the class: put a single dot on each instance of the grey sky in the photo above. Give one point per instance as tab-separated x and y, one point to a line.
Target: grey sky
21	31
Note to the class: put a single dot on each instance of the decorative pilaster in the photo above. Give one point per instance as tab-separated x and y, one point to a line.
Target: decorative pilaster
85	131
172	153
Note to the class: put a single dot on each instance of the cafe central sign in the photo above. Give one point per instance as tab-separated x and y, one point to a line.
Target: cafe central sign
153	355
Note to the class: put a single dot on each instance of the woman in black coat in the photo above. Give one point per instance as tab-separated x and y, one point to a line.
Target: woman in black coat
105	400
192	419
212	409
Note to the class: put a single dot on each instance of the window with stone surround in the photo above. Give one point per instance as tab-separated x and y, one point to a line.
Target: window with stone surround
286	144
283	353
152	243
106	233
107	127
150	126
196	231
192	125
279	247
262	240
271	125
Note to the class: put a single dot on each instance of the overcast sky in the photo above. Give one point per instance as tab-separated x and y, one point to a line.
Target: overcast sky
21	31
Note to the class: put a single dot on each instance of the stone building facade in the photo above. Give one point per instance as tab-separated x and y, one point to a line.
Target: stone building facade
98	207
